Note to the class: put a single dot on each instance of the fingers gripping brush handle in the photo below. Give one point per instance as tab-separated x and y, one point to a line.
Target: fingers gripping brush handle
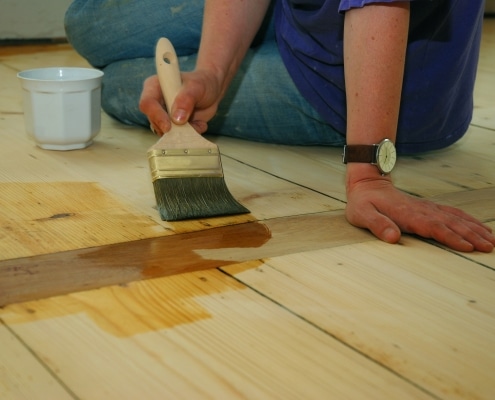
186	169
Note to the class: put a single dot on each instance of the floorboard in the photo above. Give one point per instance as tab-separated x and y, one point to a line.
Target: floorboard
288	302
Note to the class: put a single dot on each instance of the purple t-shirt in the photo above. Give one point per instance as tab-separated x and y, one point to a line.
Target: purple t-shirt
441	63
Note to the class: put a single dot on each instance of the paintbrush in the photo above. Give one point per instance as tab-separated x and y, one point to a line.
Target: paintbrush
186	169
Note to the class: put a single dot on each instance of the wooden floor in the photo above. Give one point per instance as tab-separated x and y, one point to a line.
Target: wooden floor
99	299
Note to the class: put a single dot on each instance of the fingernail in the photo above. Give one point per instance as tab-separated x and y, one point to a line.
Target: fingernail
180	116
390	235
163	127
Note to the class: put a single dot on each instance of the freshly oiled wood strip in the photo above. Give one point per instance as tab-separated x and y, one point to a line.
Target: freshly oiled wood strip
47	275
57	273
22	376
194	336
427	314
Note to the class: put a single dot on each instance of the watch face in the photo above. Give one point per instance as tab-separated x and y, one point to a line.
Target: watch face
386	156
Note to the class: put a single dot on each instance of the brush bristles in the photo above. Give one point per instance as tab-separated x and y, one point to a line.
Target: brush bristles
189	198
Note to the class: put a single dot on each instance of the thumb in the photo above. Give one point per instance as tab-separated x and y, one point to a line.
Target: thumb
378	224
182	108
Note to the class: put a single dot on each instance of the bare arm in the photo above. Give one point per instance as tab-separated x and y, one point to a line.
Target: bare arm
229	27
375	39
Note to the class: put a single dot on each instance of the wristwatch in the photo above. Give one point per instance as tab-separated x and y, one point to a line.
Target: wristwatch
383	155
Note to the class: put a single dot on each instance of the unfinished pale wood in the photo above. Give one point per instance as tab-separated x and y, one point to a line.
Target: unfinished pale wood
194	336
40	56
484	94
317	168
424	313
466	165
22	376
9	88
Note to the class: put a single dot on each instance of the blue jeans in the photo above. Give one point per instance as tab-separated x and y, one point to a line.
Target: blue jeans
262	103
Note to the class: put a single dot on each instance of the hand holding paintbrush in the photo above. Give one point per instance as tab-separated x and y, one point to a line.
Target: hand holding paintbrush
186	168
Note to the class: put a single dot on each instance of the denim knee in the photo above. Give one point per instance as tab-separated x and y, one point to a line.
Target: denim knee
107	31
122	86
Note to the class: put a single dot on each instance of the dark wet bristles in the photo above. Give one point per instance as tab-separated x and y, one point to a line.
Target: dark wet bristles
194	197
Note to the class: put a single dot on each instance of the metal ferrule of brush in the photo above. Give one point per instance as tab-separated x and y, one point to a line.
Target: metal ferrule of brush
181	163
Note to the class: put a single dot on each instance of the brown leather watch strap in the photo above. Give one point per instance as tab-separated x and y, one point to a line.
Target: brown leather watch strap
361	153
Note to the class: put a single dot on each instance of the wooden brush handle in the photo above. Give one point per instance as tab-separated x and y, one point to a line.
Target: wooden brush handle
168	70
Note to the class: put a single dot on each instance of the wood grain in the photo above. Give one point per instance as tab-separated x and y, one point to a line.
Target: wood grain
22	376
49	217
52	274
357	320
424	313
197	336
117	163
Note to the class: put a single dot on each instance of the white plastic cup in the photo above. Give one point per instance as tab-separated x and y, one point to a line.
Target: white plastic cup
62	106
